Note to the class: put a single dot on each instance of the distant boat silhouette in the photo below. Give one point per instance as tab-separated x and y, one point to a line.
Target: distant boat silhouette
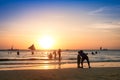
32	48
103	49
100	48
11	48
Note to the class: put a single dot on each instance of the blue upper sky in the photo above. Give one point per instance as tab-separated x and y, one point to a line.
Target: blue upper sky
109	9
10	7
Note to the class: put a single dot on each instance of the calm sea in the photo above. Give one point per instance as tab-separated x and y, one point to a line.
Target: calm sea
10	59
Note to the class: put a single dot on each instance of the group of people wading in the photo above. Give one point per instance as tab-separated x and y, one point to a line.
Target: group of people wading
80	57
55	53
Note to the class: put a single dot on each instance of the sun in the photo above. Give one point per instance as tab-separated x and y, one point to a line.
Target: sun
46	42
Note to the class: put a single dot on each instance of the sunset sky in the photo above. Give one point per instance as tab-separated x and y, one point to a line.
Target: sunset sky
72	24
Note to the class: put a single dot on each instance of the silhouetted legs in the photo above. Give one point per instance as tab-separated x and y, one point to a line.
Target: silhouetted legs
88	62
86	58
78	61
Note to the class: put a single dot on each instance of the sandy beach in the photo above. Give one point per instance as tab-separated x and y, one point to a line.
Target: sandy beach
62	74
99	71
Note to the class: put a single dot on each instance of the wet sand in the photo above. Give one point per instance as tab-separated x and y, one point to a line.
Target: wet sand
99	71
58	66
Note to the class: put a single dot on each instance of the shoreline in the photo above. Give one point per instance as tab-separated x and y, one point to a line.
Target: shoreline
57	66
35	59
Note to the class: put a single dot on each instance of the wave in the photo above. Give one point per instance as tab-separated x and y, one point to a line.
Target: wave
69	59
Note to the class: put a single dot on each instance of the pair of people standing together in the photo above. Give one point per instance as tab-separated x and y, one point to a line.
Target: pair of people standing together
59	54
81	57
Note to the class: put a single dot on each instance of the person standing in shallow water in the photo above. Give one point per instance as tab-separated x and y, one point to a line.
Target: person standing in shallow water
18	53
84	57
78	60
54	53
59	55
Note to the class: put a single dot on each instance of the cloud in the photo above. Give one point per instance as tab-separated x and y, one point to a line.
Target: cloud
111	27
106	11
97	11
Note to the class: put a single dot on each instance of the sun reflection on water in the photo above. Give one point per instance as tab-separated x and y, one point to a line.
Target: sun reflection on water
47	66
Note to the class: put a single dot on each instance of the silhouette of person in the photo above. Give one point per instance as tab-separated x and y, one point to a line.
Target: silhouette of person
18	53
84	57
50	56
78	60
92	53
54	53
32	52
59	54
95	52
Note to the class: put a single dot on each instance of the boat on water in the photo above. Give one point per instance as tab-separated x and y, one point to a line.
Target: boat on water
103	49
32	48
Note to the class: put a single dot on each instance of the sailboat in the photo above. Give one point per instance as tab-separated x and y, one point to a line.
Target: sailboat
10	50
32	48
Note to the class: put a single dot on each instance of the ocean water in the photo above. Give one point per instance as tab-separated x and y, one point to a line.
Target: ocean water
11	59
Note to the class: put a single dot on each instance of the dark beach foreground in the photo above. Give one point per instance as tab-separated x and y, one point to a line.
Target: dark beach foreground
101	73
